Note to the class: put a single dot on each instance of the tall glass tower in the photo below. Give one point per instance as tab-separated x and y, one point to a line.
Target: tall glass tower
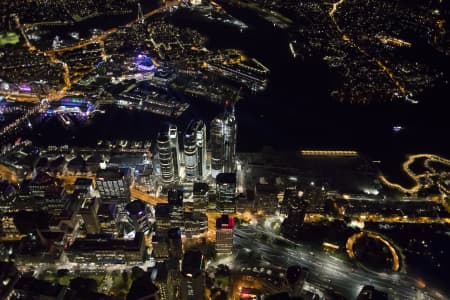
195	150
175	148
223	142
164	148
190	152
200	130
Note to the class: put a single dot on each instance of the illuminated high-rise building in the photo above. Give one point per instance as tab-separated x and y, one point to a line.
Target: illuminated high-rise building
223	142
174	146
216	144
200	129
195	150
226	192
224	235
175	199
200	196
195	224
165	156
190	152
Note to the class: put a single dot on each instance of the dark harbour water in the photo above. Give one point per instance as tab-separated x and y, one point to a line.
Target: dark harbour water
295	112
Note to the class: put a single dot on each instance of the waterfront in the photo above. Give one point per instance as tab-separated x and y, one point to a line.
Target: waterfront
327	221
295	112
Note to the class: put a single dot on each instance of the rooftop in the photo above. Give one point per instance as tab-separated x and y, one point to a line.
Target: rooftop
193	263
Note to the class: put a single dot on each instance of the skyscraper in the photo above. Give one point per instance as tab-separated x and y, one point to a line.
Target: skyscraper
190	152
175	199
226	192
200	196
200	129
195	150
224	235
166	163
223	142
174	146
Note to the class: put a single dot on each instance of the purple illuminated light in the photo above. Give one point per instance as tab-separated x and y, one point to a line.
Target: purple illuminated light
25	88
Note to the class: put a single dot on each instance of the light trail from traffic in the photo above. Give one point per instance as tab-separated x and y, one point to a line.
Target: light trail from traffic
352	239
325	271
416	177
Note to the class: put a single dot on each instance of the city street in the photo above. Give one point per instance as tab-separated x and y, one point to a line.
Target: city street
324	270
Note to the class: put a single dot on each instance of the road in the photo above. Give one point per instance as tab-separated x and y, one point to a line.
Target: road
68	81
351	241
100	38
325	270
429	172
143	196
373	60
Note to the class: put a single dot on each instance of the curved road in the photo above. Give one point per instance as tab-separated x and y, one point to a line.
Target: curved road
325	270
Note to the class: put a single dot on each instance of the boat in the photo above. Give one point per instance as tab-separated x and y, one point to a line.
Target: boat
411	100
397	128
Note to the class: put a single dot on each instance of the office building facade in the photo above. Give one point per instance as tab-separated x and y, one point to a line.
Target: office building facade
113	185
200	196
195	156
175	148
224	235
223	142
226	192
165	153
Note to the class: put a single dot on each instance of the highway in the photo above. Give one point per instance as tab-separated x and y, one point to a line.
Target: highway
324	270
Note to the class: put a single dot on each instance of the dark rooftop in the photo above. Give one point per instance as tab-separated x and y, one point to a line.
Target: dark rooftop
95	244
200	188
135	208
110	174
83	181
142	288
229	178
193	263
174	233
162	211
175	197
38	287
